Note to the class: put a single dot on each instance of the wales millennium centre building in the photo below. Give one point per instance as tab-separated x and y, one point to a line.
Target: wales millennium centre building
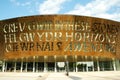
48	43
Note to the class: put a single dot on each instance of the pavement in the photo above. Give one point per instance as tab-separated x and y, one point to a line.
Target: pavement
102	75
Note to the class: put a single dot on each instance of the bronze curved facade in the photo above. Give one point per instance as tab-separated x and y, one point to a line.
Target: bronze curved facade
49	35
53	38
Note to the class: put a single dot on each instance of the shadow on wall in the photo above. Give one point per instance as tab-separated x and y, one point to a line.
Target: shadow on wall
75	78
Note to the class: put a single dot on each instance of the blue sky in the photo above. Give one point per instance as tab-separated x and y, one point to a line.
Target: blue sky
109	9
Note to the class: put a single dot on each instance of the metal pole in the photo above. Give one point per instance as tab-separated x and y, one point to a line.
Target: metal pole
26	65
114	66
21	65
6	67
3	66
37	64
45	64
15	66
55	70
98	67
34	64
67	68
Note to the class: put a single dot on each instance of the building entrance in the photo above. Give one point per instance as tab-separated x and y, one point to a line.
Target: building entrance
51	66
58	66
85	66
39	66
61	66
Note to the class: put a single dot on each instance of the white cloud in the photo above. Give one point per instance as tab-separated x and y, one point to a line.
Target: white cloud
51	6
98	8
